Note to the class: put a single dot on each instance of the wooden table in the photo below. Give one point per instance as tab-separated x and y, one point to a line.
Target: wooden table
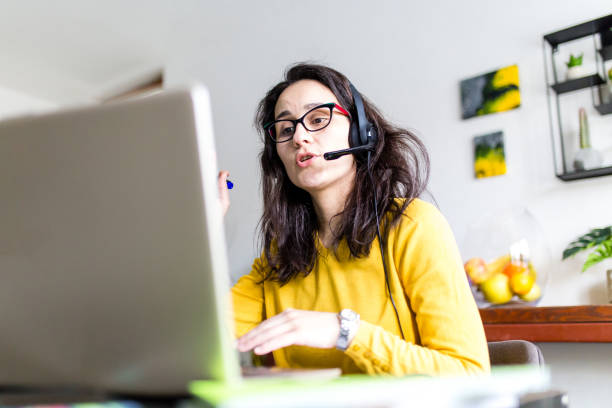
574	324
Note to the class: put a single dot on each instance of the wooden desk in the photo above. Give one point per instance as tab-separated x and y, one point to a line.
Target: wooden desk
574	324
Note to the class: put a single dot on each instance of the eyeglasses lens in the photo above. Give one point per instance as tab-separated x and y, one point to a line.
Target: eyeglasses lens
313	120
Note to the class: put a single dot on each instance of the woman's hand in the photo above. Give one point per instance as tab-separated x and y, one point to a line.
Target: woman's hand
292	327
223	191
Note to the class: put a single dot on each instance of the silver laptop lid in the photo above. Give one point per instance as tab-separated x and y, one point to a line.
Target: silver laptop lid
112	252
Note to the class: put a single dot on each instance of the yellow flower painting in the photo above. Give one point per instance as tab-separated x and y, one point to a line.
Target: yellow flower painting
492	92
489	155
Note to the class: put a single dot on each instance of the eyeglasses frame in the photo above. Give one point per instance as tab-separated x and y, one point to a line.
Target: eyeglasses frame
332	105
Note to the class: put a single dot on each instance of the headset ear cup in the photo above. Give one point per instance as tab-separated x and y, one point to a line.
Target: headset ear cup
372	134
363	136
354	138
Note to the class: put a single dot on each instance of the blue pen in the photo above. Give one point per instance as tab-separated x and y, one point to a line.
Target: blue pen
230	185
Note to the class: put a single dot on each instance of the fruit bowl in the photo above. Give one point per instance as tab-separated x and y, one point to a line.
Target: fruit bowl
506	259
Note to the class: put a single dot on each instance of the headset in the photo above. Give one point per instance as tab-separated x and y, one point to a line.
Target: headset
363	134
363	137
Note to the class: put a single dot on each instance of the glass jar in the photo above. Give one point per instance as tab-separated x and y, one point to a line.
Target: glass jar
507	259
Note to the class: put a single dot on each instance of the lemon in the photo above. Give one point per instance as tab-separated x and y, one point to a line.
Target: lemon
496	289
521	283
533	294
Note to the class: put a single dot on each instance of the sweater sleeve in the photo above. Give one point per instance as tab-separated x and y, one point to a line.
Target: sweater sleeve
450	330
248	299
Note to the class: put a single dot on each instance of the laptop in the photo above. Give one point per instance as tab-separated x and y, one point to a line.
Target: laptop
112	250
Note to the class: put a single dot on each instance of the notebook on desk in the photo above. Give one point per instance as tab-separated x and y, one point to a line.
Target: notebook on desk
112	250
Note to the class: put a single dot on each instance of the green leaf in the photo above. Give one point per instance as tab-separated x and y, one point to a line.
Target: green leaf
574	61
603	251
594	237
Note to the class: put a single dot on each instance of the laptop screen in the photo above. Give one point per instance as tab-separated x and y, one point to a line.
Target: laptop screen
112	249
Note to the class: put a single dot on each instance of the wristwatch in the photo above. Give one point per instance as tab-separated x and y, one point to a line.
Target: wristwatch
349	323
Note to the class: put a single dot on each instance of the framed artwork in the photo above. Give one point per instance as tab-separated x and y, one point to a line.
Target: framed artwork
489	155
492	92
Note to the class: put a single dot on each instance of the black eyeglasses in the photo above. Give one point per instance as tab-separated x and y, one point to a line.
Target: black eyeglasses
315	119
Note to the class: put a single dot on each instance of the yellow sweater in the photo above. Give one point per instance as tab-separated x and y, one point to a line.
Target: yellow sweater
444	333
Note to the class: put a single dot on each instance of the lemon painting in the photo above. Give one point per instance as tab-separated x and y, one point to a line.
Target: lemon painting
495	91
489	156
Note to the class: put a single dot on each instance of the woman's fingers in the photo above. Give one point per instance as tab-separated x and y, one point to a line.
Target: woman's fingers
269	340
285	339
269	328
223	191
292	327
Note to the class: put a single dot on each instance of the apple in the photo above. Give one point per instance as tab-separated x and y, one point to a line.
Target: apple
476	269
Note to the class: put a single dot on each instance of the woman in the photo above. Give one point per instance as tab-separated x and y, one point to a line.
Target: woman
321	251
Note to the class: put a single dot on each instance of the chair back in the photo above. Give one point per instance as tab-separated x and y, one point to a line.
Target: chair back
509	352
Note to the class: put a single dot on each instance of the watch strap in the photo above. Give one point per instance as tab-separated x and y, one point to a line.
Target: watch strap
349	323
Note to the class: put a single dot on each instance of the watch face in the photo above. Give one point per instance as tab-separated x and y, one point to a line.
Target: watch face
347	314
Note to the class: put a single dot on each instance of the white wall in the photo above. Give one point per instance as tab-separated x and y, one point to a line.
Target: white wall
583	370
408	58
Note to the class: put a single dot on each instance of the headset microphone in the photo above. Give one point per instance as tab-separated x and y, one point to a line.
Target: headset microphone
339	153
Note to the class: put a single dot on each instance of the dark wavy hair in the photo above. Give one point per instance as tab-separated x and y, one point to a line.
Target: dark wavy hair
288	227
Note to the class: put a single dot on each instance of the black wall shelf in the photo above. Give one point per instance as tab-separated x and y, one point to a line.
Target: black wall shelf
578	175
606	53
579	31
563	146
604	109
578	83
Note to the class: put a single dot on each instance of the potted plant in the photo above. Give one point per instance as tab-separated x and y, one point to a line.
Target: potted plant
599	241
574	67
